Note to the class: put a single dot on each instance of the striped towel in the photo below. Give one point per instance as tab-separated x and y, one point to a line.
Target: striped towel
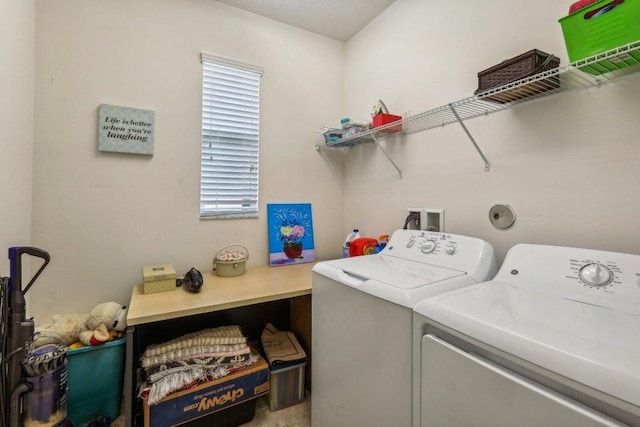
225	339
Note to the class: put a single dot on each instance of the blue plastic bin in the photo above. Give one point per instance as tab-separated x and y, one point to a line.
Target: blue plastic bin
95	379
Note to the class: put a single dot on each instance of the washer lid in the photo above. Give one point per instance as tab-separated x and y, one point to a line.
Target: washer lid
592	345
397	272
393	279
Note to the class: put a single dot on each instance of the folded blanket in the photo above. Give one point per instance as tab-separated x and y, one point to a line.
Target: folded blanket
191	352
190	359
220	358
168	382
224	339
212	336
281	348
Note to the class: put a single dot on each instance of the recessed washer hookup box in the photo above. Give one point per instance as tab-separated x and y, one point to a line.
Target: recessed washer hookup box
212	397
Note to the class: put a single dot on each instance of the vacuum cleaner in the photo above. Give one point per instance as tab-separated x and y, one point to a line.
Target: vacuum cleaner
34	381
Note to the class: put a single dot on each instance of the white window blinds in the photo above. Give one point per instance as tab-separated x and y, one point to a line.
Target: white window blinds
230	138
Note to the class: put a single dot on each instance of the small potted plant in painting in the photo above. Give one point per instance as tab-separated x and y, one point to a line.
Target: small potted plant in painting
291	234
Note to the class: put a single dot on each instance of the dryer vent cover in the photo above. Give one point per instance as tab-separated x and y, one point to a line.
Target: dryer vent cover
502	216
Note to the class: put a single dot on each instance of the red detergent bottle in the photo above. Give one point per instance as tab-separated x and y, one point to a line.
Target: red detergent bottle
362	246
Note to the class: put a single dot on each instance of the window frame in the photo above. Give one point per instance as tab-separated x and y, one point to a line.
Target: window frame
230	128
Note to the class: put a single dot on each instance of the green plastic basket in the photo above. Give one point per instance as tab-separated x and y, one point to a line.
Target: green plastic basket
599	27
95	379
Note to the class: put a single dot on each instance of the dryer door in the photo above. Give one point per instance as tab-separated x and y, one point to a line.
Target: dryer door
459	388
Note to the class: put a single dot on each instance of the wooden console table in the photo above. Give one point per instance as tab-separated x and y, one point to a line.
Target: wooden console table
163	311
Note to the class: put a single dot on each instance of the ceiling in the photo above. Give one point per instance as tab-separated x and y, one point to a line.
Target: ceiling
338	19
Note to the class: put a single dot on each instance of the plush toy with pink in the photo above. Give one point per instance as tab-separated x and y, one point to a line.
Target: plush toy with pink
106	321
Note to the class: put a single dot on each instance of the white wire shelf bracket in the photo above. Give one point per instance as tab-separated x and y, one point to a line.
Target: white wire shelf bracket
592	71
375	139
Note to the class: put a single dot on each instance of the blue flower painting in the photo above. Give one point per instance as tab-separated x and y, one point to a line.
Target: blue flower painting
290	234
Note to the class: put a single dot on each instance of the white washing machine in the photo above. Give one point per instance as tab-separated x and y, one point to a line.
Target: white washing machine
361	372
552	340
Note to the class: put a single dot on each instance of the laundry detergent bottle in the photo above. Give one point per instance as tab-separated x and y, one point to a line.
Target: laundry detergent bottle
351	236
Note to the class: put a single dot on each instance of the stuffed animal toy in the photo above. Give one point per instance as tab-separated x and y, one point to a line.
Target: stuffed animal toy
92	328
103	320
64	329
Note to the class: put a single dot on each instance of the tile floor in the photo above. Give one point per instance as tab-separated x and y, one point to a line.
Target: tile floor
293	416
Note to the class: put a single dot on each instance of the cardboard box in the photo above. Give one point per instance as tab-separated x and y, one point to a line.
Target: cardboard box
158	278
384	119
210	398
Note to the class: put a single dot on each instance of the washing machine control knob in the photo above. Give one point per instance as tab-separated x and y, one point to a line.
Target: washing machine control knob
450	249
596	274
428	246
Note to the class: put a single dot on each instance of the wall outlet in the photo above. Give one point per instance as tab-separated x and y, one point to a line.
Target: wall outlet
426	219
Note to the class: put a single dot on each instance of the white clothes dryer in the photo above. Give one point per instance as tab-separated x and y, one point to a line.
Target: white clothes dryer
361	372
552	340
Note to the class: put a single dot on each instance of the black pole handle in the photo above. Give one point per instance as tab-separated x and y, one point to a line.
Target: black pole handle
15	255
40	253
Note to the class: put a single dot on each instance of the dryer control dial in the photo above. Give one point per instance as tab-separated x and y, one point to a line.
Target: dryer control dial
596	274
450	249
428	246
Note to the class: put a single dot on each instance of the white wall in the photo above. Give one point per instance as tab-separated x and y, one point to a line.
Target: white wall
568	164
17	48
103	215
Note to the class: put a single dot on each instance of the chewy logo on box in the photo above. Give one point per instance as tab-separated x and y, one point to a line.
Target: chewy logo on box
218	400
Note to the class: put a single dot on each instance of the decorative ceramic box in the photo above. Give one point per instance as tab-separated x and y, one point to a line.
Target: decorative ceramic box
158	278
231	261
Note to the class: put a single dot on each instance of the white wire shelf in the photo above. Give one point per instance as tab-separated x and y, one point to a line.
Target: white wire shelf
588	72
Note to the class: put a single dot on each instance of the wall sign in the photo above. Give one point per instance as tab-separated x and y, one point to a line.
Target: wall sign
125	130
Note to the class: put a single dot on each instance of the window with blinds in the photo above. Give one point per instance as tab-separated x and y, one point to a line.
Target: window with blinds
230	138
